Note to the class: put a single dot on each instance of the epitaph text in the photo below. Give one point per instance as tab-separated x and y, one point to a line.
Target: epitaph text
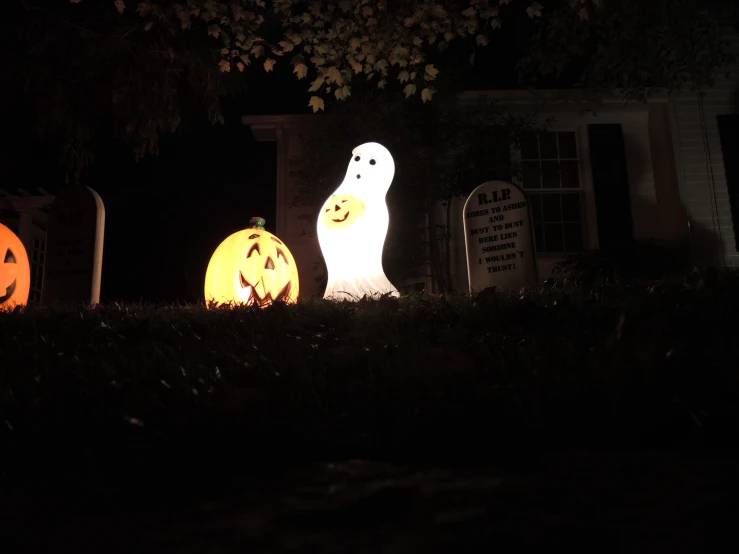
498	237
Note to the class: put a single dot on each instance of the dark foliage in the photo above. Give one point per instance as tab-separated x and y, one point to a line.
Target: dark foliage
99	390
635	260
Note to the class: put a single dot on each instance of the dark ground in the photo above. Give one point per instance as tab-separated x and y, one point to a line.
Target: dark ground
584	501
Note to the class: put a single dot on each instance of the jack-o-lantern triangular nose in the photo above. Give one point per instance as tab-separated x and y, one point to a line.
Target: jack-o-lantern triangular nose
270	264
336	207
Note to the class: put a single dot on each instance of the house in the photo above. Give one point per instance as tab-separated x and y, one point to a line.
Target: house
27	216
665	171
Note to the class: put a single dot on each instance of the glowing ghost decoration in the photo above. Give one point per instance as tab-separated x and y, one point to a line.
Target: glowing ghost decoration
252	267
352	227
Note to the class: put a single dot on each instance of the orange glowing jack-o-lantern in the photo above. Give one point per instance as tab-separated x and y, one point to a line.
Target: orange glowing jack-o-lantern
341	211
15	270
252	267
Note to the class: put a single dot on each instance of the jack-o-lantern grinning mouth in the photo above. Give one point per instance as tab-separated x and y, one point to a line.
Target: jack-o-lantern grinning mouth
342	219
254	295
9	259
8	292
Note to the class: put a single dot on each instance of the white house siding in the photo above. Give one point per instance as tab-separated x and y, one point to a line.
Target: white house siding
705	196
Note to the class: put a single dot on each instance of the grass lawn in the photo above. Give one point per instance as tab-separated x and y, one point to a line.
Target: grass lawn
429	378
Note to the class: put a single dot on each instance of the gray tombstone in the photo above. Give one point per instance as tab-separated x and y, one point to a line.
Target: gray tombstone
499	238
74	248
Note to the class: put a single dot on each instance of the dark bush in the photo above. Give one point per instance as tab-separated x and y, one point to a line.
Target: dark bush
424	376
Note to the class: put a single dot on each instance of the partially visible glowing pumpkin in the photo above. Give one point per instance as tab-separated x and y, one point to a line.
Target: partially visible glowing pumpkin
252	267
15	270
341	211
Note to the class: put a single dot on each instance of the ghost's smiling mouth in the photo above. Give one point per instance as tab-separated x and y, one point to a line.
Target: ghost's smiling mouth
342	219
253	297
8	292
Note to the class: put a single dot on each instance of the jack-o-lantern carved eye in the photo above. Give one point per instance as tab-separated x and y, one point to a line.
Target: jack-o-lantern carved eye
281	255
275	240
9	257
254	248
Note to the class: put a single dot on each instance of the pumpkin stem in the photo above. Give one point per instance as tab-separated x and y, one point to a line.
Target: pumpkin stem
257	223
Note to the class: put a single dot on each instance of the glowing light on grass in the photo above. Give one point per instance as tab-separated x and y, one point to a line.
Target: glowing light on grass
252	267
352	226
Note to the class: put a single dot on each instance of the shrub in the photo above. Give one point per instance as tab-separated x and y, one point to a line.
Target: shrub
422	375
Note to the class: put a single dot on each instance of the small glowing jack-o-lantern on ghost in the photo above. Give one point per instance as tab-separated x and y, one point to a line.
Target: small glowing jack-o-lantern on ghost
15	271
251	267
341	211
352	226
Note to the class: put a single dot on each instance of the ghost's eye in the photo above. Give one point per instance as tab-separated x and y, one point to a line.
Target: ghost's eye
357	158
372	162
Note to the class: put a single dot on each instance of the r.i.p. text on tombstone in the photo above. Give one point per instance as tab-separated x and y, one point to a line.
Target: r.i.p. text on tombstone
499	238
74	248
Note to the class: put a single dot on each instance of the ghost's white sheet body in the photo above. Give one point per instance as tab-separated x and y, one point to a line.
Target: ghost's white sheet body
353	253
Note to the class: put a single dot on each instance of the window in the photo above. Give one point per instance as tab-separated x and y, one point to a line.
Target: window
550	175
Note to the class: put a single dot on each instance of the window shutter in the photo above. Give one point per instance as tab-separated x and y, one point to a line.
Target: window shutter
728	130
610	185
